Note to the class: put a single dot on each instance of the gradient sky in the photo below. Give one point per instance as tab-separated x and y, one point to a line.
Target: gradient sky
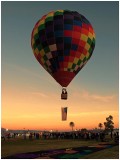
31	97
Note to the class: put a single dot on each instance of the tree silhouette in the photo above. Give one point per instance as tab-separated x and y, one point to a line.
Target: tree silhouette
109	125
83	130
72	125
100	125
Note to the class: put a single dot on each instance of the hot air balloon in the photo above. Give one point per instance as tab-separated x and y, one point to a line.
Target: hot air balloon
62	42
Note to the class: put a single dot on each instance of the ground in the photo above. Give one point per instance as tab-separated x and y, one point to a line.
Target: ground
49	148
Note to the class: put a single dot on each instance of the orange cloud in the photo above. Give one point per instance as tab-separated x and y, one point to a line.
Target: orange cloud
40	94
96	97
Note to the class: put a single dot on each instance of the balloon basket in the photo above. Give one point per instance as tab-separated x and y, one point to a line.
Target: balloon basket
64	94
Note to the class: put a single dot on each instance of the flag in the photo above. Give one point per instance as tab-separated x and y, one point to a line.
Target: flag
64	113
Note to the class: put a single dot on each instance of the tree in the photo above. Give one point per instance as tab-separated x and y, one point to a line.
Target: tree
109	125
100	125
83	130
72	125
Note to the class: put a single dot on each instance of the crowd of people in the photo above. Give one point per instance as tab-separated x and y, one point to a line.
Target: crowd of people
60	135
72	135
98	136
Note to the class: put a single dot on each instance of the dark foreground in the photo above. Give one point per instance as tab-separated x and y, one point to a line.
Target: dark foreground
70	153
21	147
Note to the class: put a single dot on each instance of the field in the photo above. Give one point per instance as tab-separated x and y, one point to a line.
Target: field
18	145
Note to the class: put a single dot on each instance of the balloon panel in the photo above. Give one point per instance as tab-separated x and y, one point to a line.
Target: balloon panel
63	42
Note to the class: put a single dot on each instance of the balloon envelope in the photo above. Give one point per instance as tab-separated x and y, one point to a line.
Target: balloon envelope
62	42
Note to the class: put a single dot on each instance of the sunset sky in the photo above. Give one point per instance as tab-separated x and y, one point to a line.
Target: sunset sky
31	97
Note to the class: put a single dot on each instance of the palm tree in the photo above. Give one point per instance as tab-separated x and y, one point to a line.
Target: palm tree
72	125
100	125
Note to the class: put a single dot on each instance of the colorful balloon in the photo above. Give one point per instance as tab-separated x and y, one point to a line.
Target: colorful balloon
62	42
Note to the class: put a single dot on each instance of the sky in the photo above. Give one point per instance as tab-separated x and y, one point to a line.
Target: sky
31	97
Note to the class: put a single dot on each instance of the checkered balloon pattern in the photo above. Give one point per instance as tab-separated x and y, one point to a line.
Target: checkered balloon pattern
62	42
